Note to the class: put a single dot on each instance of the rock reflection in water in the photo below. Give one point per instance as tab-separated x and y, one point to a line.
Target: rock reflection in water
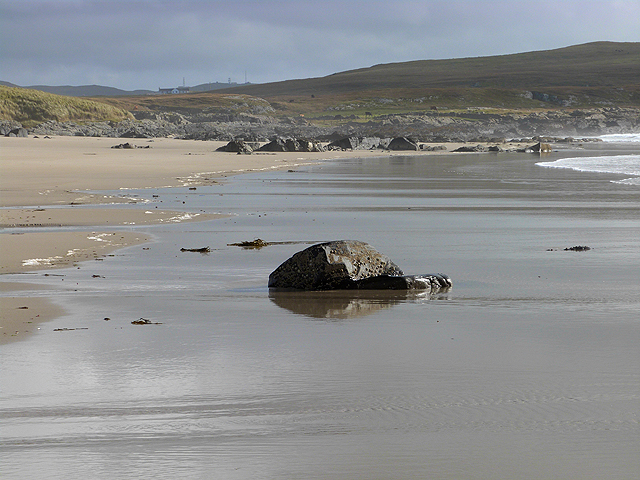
343	304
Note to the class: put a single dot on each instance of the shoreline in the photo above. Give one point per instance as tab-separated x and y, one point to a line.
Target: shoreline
56	183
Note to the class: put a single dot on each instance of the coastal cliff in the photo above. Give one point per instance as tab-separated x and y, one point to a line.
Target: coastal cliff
423	127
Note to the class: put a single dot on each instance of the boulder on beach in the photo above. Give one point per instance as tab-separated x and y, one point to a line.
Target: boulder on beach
471	149
348	264
539	148
291	145
18	132
238	146
276	145
403	143
359	143
302	145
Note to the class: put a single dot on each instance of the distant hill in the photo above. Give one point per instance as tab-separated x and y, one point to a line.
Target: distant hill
599	64
599	74
103	91
208	87
31	107
82	90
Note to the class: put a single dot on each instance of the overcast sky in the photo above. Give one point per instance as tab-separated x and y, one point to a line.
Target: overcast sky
150	44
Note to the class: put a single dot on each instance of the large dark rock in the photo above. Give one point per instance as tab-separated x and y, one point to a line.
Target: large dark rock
346	143
331	266
6	126
348	264
18	132
291	145
237	146
277	145
302	145
472	149
403	143
359	143
539	148
432	281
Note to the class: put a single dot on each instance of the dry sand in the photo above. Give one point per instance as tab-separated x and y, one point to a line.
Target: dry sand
53	182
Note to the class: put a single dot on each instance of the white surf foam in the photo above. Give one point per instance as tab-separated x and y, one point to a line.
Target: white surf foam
620	164
621	137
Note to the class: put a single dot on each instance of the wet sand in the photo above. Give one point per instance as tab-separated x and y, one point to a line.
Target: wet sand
526	369
66	170
21	316
58	183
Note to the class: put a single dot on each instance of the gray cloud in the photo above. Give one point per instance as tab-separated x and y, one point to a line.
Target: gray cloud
148	44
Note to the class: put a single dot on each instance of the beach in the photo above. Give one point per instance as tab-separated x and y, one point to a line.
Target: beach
525	369
56	183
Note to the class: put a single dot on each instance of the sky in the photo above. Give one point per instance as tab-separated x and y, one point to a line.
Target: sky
147	44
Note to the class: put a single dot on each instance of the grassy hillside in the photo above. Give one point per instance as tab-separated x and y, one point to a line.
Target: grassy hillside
31	107
583	76
591	65
192	103
86	90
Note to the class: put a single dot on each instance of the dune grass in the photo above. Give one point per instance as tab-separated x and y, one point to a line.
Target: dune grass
32	107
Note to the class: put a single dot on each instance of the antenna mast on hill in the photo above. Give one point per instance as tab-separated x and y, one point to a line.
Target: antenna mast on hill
183	84
245	77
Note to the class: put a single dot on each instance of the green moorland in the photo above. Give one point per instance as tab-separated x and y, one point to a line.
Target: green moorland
191	103
592	75
600	74
31	107
583	76
599	64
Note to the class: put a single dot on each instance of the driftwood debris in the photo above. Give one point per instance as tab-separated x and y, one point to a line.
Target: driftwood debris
259	243
577	248
197	250
145	321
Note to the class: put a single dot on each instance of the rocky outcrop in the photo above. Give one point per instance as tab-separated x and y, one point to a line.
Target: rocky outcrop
6	126
539	148
427	126
433	148
239	146
291	145
359	143
403	143
17	132
275	145
348	264
471	149
302	145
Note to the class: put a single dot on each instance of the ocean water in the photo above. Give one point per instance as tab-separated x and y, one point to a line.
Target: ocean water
621	138
619	164
527	368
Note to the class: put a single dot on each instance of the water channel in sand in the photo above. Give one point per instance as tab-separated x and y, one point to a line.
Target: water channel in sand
527	368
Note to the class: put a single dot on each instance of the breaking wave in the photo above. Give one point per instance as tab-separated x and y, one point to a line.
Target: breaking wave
619	164
621	137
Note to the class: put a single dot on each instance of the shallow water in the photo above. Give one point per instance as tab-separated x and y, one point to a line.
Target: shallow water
527	368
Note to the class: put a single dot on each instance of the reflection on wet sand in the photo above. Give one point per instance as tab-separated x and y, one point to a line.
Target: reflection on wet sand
344	304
